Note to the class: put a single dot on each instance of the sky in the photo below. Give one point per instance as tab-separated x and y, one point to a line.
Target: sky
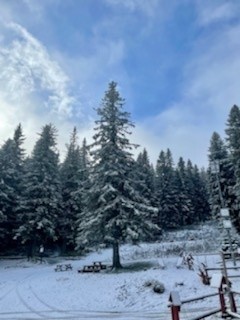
176	63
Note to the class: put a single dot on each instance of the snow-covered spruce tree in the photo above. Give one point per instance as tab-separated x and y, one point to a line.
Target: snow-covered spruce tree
84	185
233	144
184	204
221	183
41	201
143	176
11	176
71	177
6	192
165	191
85	164
144	173
197	192
114	212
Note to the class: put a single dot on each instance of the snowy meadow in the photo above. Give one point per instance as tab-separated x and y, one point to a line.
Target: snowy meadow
30	290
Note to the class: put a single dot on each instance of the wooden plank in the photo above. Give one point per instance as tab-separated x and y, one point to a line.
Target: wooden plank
221	268
234	314
206	314
199	298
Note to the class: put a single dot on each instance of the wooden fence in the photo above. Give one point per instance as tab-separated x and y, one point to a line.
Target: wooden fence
219	281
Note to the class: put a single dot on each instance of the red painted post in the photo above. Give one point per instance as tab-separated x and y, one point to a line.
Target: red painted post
175	304
222	301
175	312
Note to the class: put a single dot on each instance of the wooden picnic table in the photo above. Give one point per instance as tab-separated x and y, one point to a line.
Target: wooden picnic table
97	266
63	267
90	268
100	265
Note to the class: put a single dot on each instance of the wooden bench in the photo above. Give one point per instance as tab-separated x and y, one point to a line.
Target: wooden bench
63	267
90	268
100	265
97	266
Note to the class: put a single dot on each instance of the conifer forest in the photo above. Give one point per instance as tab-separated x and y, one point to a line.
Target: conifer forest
100	194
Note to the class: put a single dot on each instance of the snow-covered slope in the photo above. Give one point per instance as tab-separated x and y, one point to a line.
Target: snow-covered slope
31	290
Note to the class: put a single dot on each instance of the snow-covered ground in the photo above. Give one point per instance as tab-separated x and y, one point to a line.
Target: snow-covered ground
35	291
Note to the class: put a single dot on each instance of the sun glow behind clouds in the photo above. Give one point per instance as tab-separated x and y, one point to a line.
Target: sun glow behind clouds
34	90
27	68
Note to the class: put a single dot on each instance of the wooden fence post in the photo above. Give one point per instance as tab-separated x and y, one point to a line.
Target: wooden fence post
222	301
175	305
232	302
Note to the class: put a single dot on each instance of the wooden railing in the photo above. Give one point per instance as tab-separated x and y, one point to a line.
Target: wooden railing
176	303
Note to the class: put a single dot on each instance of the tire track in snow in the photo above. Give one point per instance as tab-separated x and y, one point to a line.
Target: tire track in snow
37	301
30	306
52	308
6	293
14	286
95	315
81	315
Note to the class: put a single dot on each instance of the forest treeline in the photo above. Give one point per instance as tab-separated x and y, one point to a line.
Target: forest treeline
99	193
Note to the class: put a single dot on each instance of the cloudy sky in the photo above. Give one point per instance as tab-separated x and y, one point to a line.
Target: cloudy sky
177	64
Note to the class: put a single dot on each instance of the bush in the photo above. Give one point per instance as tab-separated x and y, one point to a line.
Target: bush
157	286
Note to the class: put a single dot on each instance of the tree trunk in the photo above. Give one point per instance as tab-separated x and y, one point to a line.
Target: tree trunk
116	256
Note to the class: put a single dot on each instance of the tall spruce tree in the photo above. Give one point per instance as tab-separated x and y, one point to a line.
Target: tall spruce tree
11	176
85	164
6	191
42	194
71	180
220	178
114	212
166	192
197	192
233	144
184	204
144	174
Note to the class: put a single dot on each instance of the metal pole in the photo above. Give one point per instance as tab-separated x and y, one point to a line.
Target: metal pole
230	296
223	206
220	191
231	247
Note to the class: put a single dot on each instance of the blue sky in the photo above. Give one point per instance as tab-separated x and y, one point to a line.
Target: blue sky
176	62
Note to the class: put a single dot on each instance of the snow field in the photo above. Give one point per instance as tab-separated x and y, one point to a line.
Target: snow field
33	291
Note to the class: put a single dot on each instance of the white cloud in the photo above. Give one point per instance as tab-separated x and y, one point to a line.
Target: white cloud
174	130
26	67
34	90
93	71
215	11
147	7
210	88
